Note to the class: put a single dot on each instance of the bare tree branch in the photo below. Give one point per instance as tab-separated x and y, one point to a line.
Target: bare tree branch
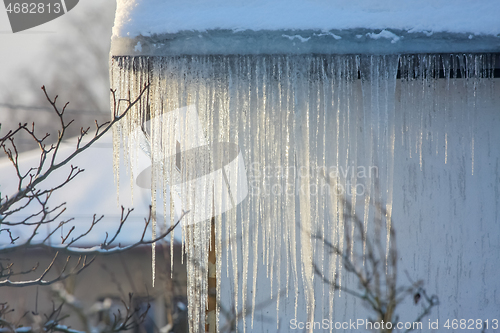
28	182
374	269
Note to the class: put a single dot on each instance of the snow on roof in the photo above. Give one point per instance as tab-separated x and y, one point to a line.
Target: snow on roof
141	17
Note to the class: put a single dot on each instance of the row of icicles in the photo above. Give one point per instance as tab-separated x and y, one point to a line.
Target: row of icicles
317	135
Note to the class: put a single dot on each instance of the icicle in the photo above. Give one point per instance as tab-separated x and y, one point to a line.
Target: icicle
116	160
322	177
476	74
277	155
116	79
390	71
368	139
390	177
301	110
156	173
340	204
218	258
294	114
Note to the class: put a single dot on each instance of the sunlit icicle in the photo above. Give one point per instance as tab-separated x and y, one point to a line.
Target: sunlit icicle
447	73
365	69
116	78
340	198
284	116
306	232
291	176
389	75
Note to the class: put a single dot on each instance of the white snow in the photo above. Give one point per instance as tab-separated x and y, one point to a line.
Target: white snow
327	33
138	47
141	17
384	34
299	37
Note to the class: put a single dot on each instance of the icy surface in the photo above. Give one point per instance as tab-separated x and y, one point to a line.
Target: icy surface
326	138
141	17
292	41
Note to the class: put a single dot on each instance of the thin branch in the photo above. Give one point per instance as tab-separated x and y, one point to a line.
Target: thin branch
104	249
42	174
40	282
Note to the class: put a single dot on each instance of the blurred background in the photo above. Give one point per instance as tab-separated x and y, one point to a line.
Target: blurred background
68	55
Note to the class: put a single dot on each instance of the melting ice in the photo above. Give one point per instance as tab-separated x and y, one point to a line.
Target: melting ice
318	138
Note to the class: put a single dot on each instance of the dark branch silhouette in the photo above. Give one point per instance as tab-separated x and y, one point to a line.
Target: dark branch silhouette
375	269
30	191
